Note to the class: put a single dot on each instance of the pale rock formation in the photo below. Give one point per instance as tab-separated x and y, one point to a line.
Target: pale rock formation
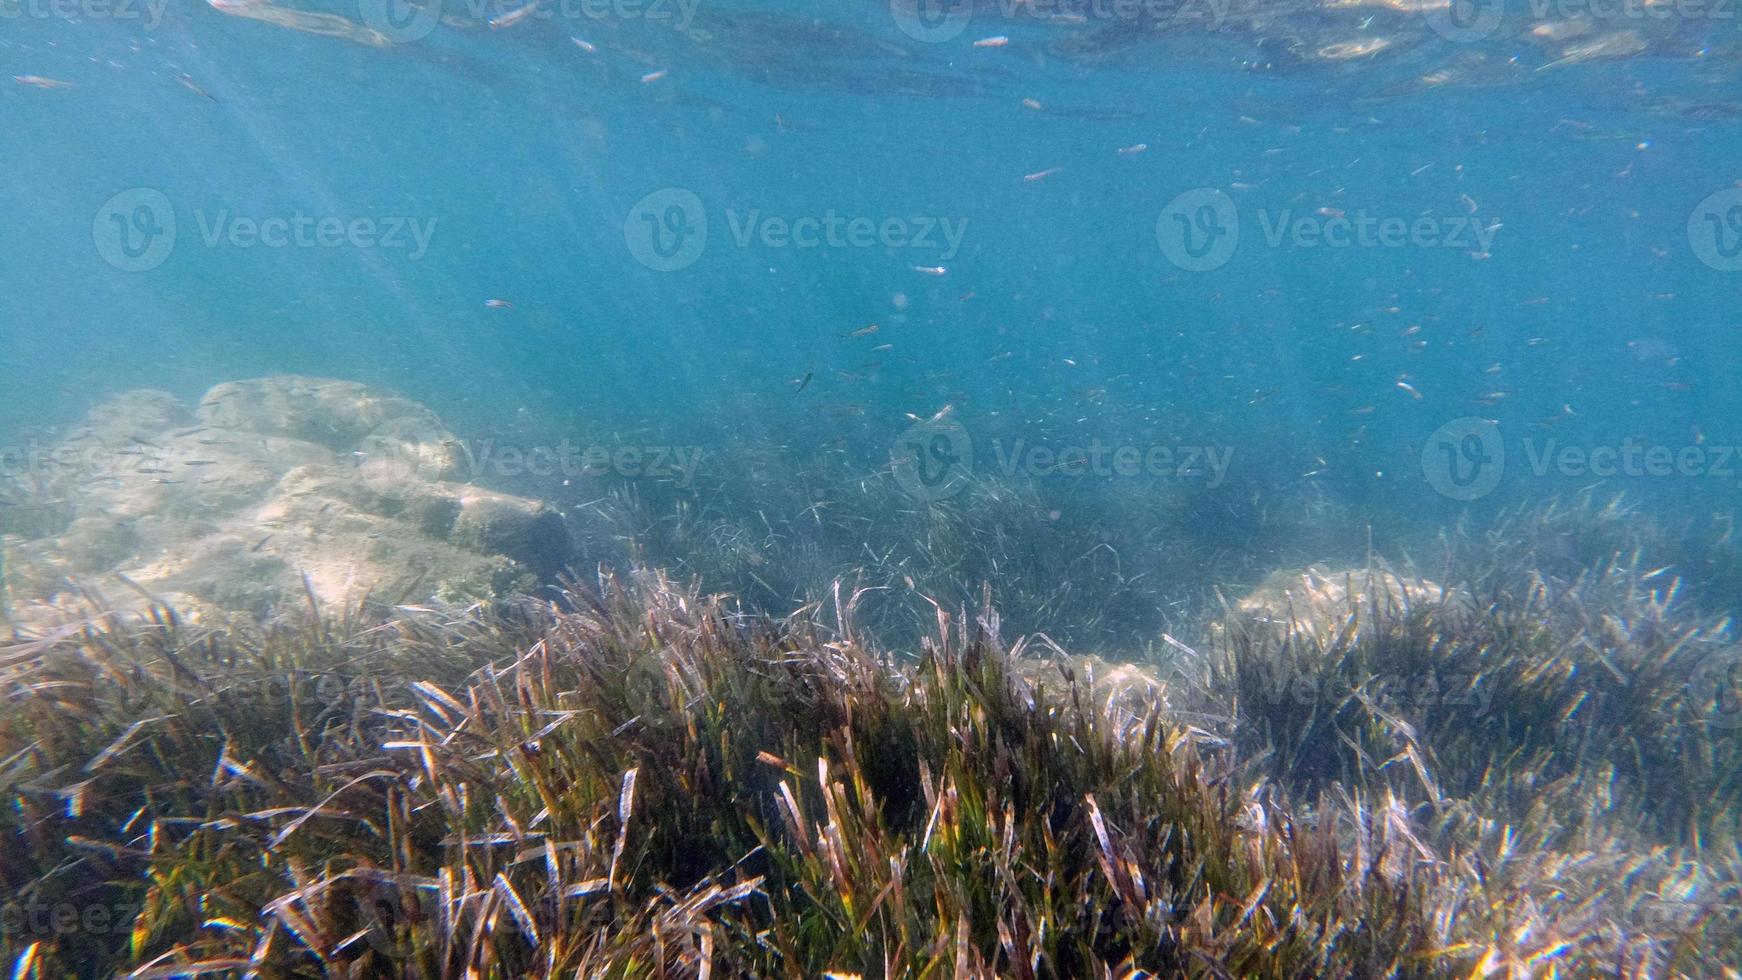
228	508
1314	603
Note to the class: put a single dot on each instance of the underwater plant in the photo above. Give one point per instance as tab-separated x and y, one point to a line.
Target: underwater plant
642	780
646	784
1102	567
1552	738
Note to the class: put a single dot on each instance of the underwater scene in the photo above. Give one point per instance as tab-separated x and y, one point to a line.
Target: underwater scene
870	488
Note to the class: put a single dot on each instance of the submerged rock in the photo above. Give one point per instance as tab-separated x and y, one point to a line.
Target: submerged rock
342	416
269	484
1128	692
1314	602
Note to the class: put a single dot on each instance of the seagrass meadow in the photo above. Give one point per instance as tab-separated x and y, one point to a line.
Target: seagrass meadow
1355	773
870	489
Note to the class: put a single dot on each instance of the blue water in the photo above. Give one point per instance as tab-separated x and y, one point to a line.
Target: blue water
1590	320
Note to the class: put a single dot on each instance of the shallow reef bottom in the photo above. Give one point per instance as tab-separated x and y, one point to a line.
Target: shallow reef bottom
641	780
